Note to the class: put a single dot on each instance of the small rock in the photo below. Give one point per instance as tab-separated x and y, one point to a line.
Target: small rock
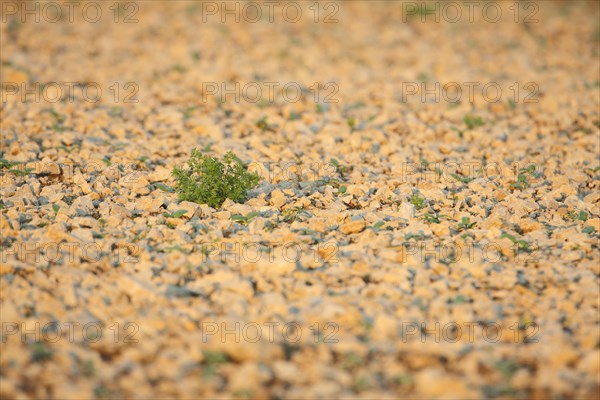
353	227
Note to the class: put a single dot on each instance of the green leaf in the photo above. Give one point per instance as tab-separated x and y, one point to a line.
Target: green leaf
178	213
462	179
164	187
589	229
473	121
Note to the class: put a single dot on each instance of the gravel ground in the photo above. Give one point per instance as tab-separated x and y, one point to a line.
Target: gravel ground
406	239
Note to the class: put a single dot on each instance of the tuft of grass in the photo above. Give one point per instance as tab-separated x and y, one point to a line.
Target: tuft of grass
208	180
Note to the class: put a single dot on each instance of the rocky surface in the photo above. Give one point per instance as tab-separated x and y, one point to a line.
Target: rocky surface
395	247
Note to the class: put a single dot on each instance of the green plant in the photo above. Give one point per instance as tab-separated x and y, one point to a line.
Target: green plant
263	125
212	359
210	181
175	214
522	244
290	215
463	179
41	352
244	220
434	217
340	169
522	182
418	201
465	223
351	123
473	121
589	230
574	216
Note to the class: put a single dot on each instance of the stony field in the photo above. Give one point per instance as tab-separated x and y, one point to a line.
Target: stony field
426	224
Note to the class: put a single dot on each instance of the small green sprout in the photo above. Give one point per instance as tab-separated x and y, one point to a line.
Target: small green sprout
41	352
460	178
88	368
378	225
264	125
175	214
189	111
244	220
351	123
404	379
418	201
212	359
340	169
522	182
574	216
210	181
417	236
458	299
522	244
290	215
433	218
473	121
465	223
351	361
461	134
